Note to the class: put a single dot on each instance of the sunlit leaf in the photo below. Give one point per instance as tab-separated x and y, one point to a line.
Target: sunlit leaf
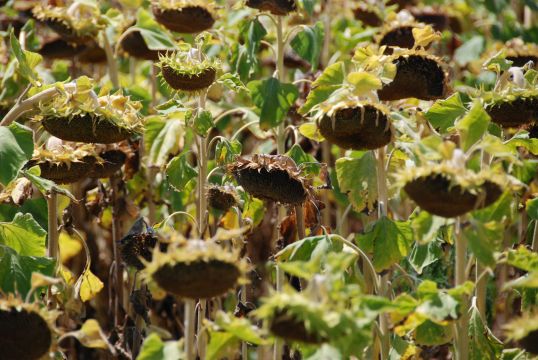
16	148
162	139
444	112
179	172
88	285
357	178
24	235
473	125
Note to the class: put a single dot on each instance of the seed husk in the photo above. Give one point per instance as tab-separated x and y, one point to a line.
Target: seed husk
434	194
187	19
113	160
134	45
189	82
359	128
514	113
417	76
85	128
288	327
271	177
275	7
24	335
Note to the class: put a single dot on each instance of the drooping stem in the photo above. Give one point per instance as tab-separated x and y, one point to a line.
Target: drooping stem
462	341
189	325
116	236
52	208
111	61
31	102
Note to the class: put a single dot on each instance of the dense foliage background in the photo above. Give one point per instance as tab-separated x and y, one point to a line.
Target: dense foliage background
268	179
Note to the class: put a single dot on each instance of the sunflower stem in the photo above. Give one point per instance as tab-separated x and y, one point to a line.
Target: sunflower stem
299	212
112	65
382	202
52	209
462	341
189	325
116	236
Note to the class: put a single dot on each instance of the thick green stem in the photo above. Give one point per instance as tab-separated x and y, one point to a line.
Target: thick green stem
382	202
52	207
111	61
462	341
189	327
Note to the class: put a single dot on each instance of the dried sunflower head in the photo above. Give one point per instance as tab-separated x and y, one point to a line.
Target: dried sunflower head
82	116
271	177
196	269
185	16
78	22
524	330
186	71
222	197
275	7
26	330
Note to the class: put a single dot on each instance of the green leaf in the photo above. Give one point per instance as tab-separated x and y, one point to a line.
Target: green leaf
16	270
482	343
500	211
470	50
227	151
307	162
24	235
522	139
154	348
179	172
27	61
523	259
155	37
16	148
444	112
357	178
203	123
45	186
233	82
473	125
328	82
426	226
388	241
430	333
309	248
422	256
274	99
484	239
308	44
363	82
162	139
220	345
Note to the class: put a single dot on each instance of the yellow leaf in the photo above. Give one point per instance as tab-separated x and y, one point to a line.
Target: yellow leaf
230	220
363	82
69	247
311	131
90	335
66	274
424	36
89	285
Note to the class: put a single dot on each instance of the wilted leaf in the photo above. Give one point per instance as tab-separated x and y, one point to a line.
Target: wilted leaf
162	139
308	248
311	131
482	343
425	36
363	82
88	285
308	43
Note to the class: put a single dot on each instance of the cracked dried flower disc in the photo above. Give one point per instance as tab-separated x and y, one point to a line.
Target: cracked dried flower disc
134	247
185	16
417	76
221	197
197	270
275	7
362	127
134	45
271	177
447	192
25	333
